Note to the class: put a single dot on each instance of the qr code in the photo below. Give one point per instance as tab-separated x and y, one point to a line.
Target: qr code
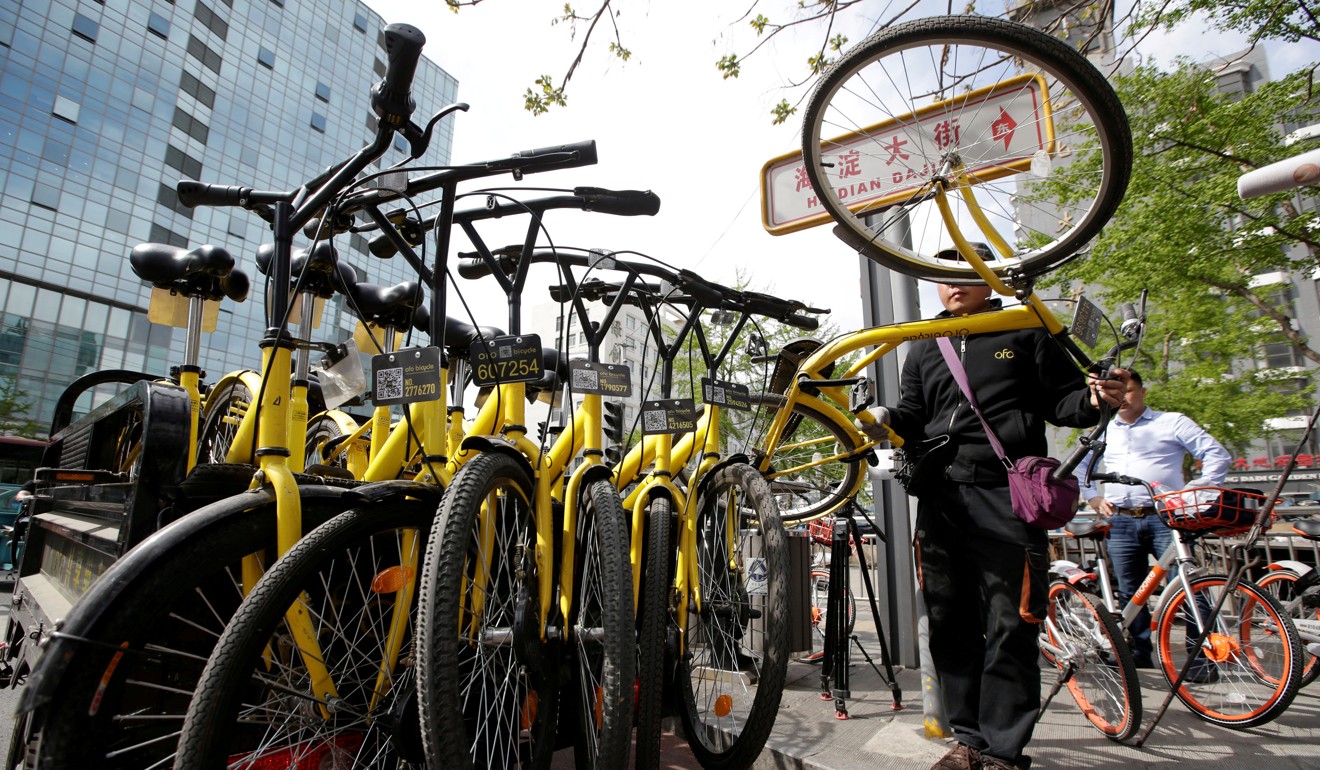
717	394
389	383
505	351
586	379
655	420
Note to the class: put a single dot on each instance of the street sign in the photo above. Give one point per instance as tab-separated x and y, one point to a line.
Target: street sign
996	131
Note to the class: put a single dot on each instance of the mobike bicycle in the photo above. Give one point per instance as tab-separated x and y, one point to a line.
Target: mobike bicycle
1225	645
362	571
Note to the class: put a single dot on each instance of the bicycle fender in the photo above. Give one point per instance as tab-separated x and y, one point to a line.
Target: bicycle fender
597	471
395	489
497	444
1305	572
730	460
117	585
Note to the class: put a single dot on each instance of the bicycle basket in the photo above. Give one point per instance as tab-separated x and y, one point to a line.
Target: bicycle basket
1223	511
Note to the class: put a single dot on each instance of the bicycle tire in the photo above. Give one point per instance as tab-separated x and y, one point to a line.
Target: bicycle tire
1104	683
224	408
820	592
653	621
464	725
730	677
168	631
802	494
1279	584
903	84
602	630
254	706
321	429
1252	669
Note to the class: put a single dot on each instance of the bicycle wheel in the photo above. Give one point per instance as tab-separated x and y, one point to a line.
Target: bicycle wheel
807	473
731	674
225	407
602	632
820	595
653	620
488	685
1303	608
353	579
122	701
1102	676
1017	118
1249	667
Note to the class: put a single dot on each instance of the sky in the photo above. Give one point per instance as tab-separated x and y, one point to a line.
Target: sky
667	122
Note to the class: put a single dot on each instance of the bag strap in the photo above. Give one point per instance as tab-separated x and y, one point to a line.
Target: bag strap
960	376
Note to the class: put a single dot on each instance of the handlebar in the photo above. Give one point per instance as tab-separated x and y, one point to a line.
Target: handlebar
625	203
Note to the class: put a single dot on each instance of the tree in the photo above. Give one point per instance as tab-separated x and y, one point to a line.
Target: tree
14	410
1183	233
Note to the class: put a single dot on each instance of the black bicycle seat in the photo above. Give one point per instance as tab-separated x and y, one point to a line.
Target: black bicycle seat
386	305
1307	528
1092	528
206	271
459	335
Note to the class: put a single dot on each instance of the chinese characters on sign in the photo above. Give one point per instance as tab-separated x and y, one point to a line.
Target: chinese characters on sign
989	133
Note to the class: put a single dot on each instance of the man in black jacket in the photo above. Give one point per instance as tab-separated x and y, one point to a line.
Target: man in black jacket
983	572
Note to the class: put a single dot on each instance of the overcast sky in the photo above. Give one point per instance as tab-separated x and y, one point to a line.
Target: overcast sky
667	122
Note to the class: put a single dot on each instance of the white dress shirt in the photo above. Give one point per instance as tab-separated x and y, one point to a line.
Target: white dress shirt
1152	448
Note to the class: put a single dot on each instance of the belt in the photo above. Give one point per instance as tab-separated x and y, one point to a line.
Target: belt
1136	513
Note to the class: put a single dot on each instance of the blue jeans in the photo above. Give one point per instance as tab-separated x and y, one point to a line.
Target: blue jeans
1131	544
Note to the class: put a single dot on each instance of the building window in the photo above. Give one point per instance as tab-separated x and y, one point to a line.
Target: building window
160	234
190	125
158	25
318	122
85	28
211	20
400	143
360	245
266	57
197	89
199	51
323	92
372	123
169	198
183	162
360	22
46	196
379	68
66	109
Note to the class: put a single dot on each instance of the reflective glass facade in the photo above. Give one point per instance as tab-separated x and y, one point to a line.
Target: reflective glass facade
105	106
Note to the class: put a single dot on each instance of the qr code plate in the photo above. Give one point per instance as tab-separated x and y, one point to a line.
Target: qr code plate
389	383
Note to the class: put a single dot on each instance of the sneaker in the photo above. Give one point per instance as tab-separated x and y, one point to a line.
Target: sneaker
960	757
995	763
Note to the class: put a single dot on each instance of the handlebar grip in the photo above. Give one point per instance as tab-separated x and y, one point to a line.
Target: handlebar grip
705	292
548	158
473	267
200	194
1287	174
801	321
623	203
392	97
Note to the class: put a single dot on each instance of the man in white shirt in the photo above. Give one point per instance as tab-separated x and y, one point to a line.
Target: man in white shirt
1147	444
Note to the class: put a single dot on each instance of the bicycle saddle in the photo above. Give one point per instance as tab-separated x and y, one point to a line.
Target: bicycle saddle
459	336
391	306
1093	528
1307	528
317	269
206	271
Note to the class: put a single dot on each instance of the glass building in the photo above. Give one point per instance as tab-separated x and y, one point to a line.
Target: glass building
104	106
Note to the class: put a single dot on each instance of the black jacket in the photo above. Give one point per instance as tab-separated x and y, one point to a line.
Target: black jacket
1021	379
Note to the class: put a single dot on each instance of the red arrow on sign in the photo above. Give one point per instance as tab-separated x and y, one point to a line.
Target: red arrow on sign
1003	127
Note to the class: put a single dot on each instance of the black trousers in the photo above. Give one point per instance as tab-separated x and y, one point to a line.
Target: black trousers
984	575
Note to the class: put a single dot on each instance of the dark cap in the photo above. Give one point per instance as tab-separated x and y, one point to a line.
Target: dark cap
952	252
